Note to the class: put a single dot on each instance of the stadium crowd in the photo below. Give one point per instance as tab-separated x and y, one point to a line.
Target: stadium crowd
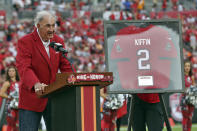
84	33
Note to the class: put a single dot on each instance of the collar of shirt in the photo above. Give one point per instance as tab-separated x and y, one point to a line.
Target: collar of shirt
46	44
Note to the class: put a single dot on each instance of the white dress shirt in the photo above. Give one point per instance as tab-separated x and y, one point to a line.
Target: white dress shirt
46	44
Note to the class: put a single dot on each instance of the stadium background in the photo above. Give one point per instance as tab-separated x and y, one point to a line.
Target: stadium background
80	23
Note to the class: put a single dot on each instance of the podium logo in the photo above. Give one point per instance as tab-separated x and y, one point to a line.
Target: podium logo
72	79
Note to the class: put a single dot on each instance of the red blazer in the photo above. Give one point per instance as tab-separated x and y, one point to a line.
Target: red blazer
34	66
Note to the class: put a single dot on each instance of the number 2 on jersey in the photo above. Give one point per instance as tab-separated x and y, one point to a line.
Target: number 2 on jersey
145	58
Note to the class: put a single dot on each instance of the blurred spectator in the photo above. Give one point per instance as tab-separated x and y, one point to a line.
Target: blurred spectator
193	41
111	104
195	3
46	5
187	109
141	5
108	5
62	6
174	4
10	91
154	6
180	7
164	5
18	4
127	5
190	19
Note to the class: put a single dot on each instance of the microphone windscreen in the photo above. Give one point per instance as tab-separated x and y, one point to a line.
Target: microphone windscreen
52	44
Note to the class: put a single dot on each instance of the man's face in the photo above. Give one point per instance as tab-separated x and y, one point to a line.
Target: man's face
46	28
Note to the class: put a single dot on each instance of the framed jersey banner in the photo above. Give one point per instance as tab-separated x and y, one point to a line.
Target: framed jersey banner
144	56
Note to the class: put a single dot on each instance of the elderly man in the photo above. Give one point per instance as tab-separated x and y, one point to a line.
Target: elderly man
38	64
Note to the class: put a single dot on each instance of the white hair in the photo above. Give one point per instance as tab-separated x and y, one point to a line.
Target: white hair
41	14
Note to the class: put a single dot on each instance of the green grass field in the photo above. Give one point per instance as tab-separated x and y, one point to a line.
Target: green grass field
175	128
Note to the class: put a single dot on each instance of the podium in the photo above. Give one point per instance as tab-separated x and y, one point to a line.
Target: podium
75	100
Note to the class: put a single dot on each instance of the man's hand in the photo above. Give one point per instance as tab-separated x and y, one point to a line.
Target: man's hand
39	87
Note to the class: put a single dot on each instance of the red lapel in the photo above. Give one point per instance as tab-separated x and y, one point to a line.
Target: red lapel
41	47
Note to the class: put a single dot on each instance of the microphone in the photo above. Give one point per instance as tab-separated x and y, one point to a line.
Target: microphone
58	47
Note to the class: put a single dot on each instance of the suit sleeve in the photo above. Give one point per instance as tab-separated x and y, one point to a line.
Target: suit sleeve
24	66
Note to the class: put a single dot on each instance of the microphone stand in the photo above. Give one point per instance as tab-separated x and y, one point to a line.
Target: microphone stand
68	61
